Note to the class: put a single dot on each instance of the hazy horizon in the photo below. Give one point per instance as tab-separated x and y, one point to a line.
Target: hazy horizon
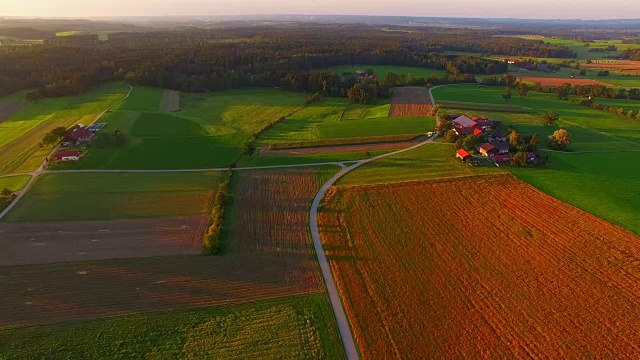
543	9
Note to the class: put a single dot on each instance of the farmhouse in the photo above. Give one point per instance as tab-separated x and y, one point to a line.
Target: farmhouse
71	155
501	147
463	125
462	154
487	149
79	134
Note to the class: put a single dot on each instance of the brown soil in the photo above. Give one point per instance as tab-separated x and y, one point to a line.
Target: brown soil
264	151
170	101
410	101
550	81
50	242
42	294
625	66
481	267
8	109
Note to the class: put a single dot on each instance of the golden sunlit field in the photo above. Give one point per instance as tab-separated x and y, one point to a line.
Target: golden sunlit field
480	267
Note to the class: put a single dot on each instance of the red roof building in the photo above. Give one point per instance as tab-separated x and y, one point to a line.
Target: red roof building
477	132
70	155
462	154
78	134
487	149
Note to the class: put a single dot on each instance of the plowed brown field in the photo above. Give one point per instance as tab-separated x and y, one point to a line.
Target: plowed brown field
51	242
271	212
481	267
550	81
41	294
410	101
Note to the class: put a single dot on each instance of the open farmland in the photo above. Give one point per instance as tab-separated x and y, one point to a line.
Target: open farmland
8	109
170	101
207	132
557	81
625	66
382	70
528	276
112	196
52	293
294	327
51	242
22	131
324	122
410	101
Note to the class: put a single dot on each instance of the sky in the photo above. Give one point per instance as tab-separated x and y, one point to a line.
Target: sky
539	9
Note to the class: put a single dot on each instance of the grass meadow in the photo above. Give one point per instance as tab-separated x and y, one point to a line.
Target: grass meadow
110	196
382	70
296	327
597	175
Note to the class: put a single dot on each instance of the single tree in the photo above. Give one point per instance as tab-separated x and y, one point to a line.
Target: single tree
534	141
459	144
514	138
469	143
6	193
560	139
451	136
523	89
550	117
506	95
519	159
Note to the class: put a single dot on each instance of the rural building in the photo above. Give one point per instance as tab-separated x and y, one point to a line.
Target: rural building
499	159
482	122
71	155
531	156
501	147
463	125
487	149
79	134
462	154
477	132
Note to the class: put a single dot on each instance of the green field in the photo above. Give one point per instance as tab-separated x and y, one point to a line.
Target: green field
430	161
300	327
382	70
620	103
21	133
615	78
208	132
599	175
324	120
14	183
107	196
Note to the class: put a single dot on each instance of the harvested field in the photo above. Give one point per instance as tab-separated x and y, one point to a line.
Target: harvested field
410	101
43	294
315	150
549	81
424	274
8	109
626	66
170	101
51	242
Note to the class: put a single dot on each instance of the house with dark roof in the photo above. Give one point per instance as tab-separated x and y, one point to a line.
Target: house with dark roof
501	147
79	134
499	159
486	149
463	125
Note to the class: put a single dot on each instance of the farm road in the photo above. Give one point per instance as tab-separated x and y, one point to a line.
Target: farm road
334	295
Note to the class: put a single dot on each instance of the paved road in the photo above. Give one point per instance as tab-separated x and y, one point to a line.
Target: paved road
334	295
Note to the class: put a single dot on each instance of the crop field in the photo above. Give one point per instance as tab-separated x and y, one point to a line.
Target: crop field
382	70
625	66
170	101
112	196
367	144
207	132
22	131
557	81
358	111
14	183
51	242
432	161
294	327
323	122
528	276
410	101
51	293
480	107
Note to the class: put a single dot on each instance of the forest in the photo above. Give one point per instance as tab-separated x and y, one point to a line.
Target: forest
290	56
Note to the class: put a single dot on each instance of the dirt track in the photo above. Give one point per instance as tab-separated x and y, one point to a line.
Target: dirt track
50	242
43	294
410	101
8	109
170	101
341	148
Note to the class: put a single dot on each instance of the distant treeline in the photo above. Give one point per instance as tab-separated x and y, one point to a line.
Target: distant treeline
199	60
630	54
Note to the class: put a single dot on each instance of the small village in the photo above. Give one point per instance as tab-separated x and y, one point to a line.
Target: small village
479	141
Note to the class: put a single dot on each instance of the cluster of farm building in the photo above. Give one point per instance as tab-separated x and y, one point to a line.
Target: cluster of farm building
487	140
76	136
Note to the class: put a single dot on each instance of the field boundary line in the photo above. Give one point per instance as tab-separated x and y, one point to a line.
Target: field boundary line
334	295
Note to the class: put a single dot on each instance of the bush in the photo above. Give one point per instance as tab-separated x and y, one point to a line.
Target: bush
211	242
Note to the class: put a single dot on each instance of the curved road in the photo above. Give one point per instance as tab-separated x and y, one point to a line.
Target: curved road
334	295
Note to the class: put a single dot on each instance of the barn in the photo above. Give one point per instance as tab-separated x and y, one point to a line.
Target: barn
70	155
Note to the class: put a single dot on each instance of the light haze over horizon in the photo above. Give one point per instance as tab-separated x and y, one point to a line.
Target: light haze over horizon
541	9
